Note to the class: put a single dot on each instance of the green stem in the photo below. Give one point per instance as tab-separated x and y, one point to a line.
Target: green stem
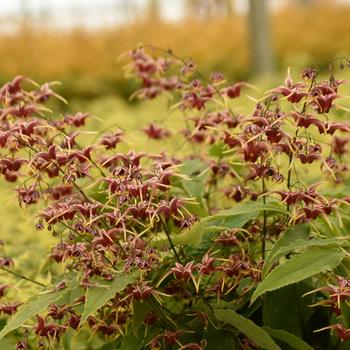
22	277
170	241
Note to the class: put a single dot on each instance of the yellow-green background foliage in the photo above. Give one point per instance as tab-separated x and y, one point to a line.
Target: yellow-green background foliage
86	61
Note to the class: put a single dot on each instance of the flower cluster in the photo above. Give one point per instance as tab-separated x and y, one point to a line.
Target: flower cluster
137	214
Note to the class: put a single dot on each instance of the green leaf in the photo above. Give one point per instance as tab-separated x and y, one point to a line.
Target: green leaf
195	185
193	167
31	308
98	296
218	339
298	233
248	207
290	302
71	295
205	227
67	339
197	209
109	346
141	310
345	312
225	219
217	149
294	239
196	171
294	342
310	262
248	328
131	342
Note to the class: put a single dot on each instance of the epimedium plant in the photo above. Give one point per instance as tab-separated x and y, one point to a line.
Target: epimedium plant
234	240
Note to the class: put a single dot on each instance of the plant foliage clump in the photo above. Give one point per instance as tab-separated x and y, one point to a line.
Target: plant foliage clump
233	241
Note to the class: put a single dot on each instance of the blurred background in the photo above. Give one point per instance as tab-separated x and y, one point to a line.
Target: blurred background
78	41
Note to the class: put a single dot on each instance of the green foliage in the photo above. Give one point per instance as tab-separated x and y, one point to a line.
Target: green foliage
297	239
293	311
345	311
226	219
141	309
130	342
98	295
290	339
33	307
255	333
306	264
197	172
226	242
220	339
